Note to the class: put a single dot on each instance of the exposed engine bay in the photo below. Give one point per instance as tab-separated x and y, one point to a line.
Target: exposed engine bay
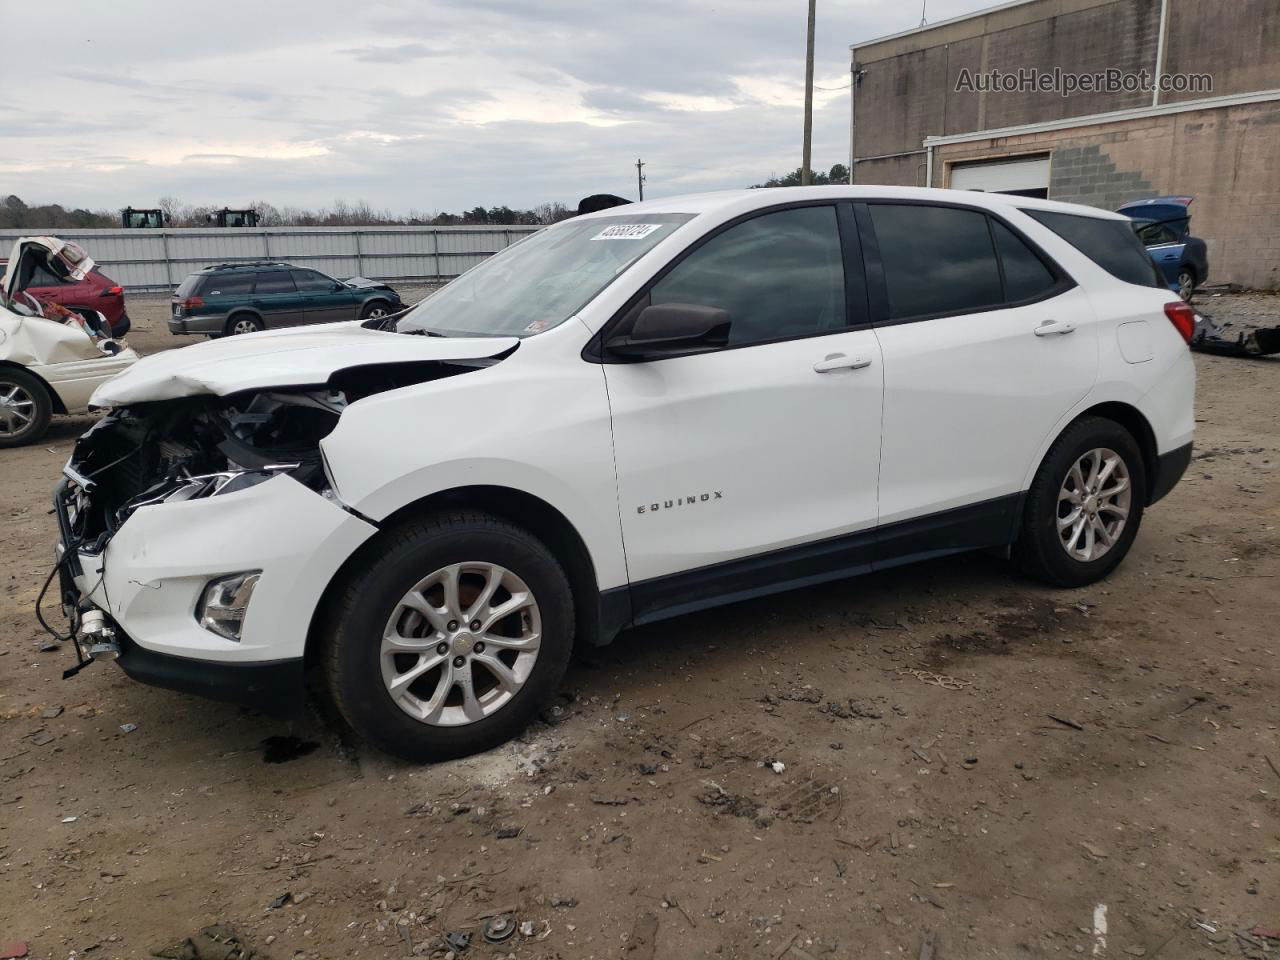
188	448
191	448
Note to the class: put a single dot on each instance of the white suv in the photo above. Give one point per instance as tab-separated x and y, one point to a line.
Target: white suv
625	417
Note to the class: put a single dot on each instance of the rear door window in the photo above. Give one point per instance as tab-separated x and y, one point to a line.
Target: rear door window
1026	276
1111	244
276	281
937	260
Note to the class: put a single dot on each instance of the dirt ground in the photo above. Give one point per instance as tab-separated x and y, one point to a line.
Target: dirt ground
964	759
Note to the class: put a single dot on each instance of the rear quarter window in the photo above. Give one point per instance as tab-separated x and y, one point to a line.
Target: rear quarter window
276	281
229	285
188	286
1111	244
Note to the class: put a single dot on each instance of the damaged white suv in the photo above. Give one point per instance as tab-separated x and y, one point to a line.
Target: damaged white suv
625	417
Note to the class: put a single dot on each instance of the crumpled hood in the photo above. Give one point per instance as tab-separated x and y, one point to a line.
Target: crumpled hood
361	283
296	356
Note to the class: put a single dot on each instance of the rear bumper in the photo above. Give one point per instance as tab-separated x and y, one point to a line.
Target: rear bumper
1169	470
201	325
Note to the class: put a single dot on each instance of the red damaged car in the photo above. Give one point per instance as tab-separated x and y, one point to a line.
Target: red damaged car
96	292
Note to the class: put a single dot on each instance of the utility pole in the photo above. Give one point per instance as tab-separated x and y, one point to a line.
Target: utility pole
806	177
640	176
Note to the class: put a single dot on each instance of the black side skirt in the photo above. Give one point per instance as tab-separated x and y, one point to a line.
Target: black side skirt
991	523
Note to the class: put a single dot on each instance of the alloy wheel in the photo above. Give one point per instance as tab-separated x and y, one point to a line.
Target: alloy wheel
1093	504
377	313
244	326
17	409
460	644
1186	285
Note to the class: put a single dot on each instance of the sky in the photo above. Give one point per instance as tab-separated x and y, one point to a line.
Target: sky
420	106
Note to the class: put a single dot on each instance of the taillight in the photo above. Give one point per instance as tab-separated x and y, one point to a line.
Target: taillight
1182	317
114	291
192	302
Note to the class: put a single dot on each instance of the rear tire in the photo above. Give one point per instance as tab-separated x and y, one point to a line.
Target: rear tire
461	685
1073	531
1186	284
25	408
243	323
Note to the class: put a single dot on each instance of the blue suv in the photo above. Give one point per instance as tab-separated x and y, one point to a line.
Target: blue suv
1163	224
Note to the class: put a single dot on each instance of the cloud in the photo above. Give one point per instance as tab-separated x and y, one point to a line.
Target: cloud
427	104
399	53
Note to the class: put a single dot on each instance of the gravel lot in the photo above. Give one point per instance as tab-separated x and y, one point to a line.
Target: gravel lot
927	790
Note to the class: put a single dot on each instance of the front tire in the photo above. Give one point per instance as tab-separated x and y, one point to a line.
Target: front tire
25	408
375	310
1085	505
451	638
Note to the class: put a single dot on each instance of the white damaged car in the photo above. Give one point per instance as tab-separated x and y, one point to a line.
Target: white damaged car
628	416
50	359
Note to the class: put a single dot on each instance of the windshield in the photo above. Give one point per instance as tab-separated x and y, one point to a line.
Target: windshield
541	281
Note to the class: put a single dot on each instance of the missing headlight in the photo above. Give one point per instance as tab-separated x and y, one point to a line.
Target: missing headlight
193	448
206	485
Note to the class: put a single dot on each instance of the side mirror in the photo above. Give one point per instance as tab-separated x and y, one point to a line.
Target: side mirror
672	329
337	285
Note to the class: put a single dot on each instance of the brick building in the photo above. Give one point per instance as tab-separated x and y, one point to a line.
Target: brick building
936	106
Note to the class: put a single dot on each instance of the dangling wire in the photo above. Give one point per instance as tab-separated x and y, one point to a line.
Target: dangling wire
60	637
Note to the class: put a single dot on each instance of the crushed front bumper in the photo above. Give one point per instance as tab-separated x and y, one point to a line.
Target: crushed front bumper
149	577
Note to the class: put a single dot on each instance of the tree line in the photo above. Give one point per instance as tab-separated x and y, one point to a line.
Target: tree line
838	174
15	214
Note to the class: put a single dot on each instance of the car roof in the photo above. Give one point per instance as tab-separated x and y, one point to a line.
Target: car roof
733	202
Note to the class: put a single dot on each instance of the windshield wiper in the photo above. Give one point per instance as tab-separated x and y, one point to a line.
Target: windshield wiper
423	332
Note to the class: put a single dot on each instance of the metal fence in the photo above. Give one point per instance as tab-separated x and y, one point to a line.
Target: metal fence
158	260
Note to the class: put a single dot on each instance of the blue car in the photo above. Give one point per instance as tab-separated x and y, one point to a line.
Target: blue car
1163	224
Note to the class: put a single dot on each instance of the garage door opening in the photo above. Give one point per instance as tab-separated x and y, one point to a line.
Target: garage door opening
1023	177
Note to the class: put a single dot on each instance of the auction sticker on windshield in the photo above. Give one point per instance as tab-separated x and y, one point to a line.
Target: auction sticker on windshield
627	231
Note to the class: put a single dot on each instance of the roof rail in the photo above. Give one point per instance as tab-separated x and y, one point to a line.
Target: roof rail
248	263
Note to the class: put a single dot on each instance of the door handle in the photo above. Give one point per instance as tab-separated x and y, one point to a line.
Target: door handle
1051	327
840	361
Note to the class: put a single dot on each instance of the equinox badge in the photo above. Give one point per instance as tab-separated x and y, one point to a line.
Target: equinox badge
681	502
